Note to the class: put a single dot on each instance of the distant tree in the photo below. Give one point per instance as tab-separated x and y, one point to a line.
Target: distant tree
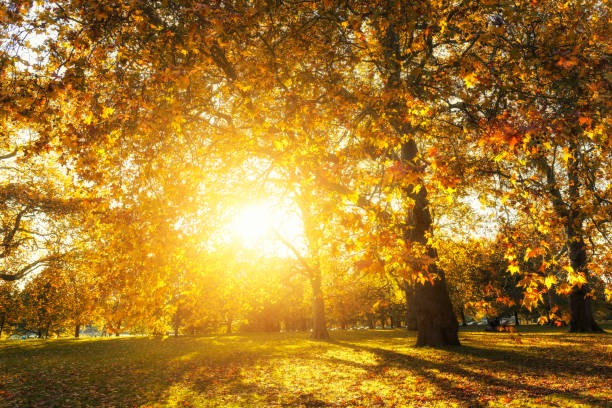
44	308
10	306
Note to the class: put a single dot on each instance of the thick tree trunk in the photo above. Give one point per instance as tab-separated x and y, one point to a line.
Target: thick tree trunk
436	321
411	317
77	330
463	323
319	330
580	311
581	314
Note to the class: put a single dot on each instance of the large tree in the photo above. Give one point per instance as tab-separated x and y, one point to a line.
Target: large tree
537	104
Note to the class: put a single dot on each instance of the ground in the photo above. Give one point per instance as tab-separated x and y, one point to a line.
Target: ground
369	368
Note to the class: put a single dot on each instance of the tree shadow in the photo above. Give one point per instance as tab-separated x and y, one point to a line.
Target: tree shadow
472	396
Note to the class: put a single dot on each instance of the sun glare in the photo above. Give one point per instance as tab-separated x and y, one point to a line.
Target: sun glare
258	225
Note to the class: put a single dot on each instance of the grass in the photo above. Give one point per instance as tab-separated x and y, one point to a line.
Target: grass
374	368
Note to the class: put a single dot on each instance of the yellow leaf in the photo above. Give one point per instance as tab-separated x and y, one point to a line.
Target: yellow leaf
470	80
549	281
107	112
566	154
578	279
513	269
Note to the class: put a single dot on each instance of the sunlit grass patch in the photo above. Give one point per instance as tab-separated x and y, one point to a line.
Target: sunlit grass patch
357	368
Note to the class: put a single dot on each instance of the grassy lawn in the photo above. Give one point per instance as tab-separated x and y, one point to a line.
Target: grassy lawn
377	368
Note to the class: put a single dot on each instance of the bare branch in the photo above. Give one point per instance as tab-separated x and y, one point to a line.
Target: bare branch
28	268
9	155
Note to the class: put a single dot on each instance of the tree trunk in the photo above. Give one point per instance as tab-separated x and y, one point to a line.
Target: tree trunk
463	323
2	323
411	317
319	331
581	314
228	326
77	330
516	318
436	321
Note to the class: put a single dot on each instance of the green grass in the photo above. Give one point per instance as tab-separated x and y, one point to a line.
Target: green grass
377	368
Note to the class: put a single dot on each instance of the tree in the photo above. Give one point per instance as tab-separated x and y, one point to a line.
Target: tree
536	105
43	304
10	306
34	216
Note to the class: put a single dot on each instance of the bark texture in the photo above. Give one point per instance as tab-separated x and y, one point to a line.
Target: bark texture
581	313
411	314
436	321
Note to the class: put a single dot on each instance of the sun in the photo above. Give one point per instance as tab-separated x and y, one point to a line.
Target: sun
260	224
254	222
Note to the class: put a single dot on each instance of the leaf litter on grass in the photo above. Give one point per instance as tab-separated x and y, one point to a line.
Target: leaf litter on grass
355	369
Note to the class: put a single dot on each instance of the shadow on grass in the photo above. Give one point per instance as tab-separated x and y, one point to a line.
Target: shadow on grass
473	372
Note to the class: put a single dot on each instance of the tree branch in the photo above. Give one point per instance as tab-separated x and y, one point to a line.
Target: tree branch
28	268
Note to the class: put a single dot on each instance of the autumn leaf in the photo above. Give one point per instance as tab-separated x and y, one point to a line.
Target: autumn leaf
470	80
107	111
